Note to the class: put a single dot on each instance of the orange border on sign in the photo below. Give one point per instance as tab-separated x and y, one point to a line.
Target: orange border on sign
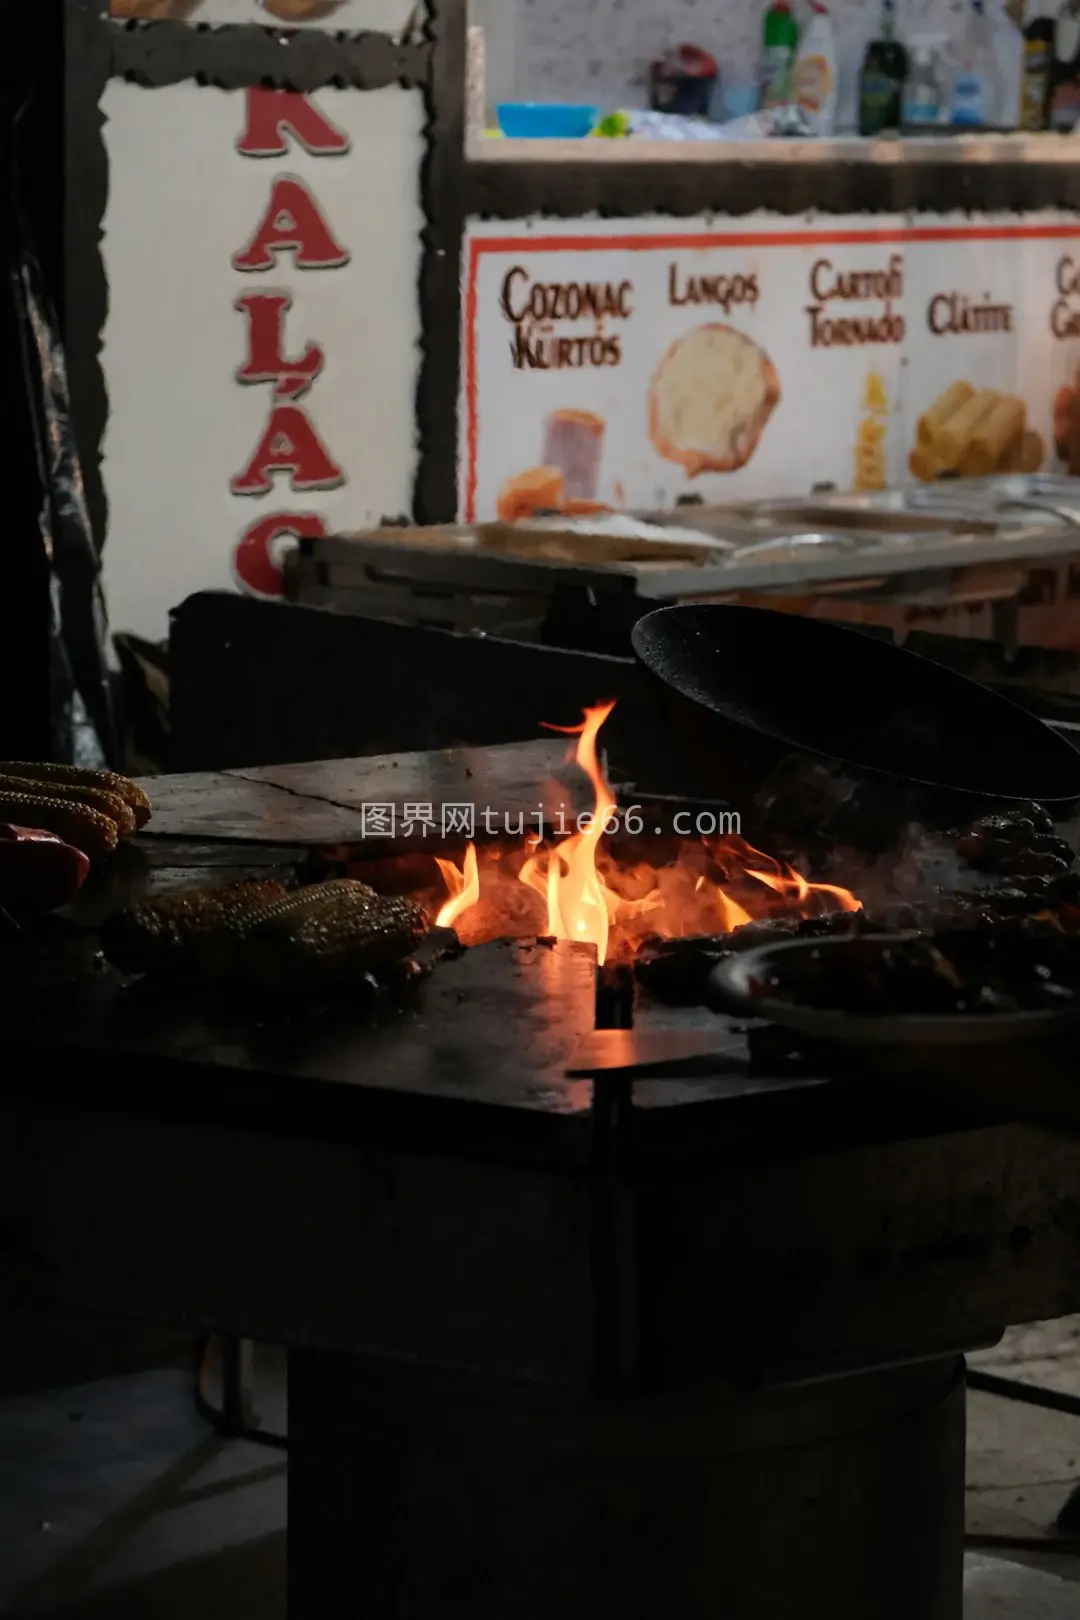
630	243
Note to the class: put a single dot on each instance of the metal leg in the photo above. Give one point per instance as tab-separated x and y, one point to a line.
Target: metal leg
234	1402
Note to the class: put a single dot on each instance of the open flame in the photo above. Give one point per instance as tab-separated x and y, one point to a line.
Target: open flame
579	903
591	898
463	887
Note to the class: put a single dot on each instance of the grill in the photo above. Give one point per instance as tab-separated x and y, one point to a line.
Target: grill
560	1346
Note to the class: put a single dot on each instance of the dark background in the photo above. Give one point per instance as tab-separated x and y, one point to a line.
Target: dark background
31	66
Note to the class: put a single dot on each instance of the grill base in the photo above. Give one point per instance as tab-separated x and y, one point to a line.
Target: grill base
416	1496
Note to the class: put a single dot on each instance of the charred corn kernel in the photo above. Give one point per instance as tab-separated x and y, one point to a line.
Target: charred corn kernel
109	804
76	776
76	823
161	933
223	950
335	945
321	937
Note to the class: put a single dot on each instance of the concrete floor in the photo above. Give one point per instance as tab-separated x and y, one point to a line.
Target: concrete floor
118	1503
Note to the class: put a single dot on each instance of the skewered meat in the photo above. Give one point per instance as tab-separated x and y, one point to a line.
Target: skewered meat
79	777
161	934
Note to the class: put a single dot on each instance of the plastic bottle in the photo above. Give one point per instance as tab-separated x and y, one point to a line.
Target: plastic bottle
975	94
881	81
815	77
1038	61
1064	113
778	56
925	99
1008	47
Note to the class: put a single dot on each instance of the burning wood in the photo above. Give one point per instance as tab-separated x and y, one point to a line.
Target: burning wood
593	896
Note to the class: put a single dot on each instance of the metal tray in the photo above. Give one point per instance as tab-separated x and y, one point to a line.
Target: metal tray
734	983
885	511
893	516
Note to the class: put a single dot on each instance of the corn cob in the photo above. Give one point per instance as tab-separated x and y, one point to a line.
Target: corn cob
76	776
321	937
76	823
110	804
339	944
162	933
229	949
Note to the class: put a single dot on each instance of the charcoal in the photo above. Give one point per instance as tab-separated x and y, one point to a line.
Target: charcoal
1035	813
680	976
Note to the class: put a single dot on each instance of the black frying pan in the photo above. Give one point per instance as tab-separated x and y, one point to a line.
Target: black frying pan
777	684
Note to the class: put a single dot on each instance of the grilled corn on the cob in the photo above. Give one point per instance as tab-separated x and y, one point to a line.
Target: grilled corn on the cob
324	936
76	823
159	934
110	804
336	946
76	776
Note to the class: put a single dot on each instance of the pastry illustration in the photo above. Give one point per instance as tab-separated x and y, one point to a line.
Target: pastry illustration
301	10
574	442
710	398
870	468
152	10
542	489
538	489
1067	425
973	432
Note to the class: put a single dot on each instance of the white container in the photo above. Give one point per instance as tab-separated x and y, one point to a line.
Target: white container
816	72
926	96
975	97
1008	46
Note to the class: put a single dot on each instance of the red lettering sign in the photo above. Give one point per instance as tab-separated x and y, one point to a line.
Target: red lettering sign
254	563
289	444
292	221
271	112
266	358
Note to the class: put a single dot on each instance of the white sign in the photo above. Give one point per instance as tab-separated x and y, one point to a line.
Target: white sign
636	364
262	346
340	16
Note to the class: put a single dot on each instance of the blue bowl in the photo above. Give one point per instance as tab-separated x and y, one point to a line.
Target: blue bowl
530	120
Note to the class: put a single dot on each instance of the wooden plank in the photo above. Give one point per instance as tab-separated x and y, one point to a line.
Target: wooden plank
209	805
334	801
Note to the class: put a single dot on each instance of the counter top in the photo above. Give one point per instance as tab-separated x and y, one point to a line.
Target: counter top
845	149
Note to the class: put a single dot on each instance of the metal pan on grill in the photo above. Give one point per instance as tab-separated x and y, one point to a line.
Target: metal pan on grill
815	987
1016	1064
734	690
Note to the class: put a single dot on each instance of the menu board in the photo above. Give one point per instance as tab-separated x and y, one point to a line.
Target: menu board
735	359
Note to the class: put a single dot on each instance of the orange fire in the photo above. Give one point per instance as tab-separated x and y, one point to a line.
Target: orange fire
591	898
579	903
463	887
